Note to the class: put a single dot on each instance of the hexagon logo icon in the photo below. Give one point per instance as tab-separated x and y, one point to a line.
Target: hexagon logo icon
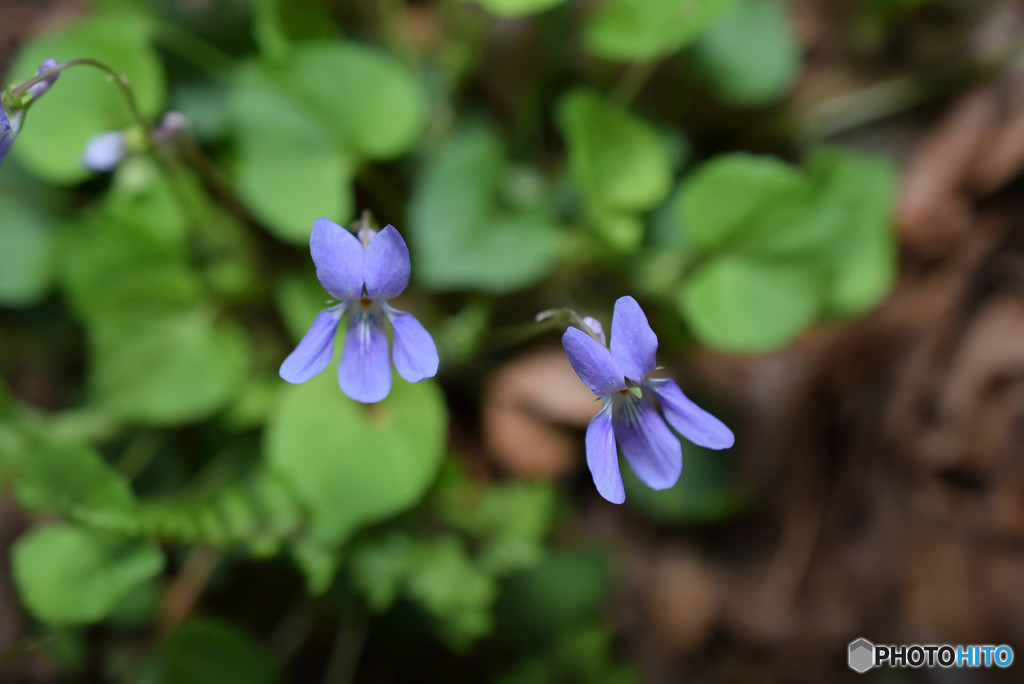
862	655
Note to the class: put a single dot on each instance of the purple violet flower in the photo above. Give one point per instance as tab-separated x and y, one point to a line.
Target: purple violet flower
362	273
630	418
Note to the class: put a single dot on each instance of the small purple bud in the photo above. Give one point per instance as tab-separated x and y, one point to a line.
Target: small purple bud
171	125
39	89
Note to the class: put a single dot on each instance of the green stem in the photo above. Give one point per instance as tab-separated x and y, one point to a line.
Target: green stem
632	82
212	177
559	318
348	649
119	78
125	87
139	453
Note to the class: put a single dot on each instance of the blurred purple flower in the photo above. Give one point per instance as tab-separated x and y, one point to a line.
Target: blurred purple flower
6	134
106	150
363	273
9	127
629	417
171	125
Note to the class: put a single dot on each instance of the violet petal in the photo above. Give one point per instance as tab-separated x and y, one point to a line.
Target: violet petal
386	265
652	450
365	369
315	350
602	457
593	363
690	420
414	353
634	345
338	257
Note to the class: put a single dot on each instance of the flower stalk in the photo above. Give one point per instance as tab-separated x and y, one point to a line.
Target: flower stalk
123	84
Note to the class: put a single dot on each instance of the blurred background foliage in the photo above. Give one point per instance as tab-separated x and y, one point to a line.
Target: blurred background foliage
175	513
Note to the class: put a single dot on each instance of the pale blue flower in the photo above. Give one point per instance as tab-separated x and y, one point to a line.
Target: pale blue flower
635	406
105	151
362	273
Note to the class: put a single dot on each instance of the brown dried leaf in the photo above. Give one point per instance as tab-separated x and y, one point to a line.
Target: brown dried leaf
526	405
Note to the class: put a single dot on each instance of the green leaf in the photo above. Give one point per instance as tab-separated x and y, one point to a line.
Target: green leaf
516	8
641	30
622	232
26	252
109	271
451	587
511	522
159	355
436	573
781	247
350	464
278	24
618	160
744	305
370	101
304	121
864	188
166	369
69	575
749	55
286	169
129	254
462	235
259	512
84	102
732	200
68	477
204	651
380	567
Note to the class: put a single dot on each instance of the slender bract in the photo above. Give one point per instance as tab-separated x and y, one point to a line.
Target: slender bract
630	419
362	274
